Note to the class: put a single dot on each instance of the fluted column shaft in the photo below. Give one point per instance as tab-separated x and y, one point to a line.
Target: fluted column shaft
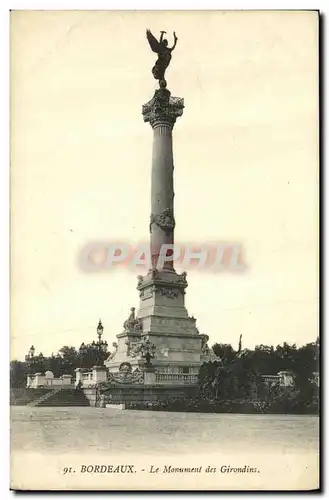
162	191
161	112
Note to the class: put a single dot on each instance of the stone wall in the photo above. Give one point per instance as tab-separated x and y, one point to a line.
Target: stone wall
134	393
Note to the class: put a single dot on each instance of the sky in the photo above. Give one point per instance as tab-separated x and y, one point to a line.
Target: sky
246	168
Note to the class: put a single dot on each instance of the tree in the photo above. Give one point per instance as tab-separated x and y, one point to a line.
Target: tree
39	363
18	374
69	359
264	360
233	379
225	352
239	374
92	354
286	357
55	364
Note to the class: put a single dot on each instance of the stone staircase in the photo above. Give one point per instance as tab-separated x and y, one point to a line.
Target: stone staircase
62	397
44	397
24	396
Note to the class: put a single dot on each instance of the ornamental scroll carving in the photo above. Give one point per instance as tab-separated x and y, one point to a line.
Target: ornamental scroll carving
165	220
147	293
126	377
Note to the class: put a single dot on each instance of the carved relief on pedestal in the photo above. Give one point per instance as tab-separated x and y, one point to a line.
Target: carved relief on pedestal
133	348
147	292
171	293
165	220
126	375
125	367
142	348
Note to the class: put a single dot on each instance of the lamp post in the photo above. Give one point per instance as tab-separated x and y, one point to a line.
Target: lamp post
30	359
83	350
100	345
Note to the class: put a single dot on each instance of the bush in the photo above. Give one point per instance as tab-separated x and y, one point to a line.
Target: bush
282	405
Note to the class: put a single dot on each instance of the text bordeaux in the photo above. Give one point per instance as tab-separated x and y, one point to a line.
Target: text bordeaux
108	469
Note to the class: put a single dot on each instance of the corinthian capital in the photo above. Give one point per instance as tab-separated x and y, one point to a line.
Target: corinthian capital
162	108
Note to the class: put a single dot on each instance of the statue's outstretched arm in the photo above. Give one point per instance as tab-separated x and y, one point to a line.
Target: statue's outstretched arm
175	41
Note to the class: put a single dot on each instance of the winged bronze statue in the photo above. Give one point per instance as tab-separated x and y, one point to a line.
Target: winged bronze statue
164	53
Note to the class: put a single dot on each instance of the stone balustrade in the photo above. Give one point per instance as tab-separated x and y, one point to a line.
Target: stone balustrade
271	379
48	380
87	377
283	378
180	378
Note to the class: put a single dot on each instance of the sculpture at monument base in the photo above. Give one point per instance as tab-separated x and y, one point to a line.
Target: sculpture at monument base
132	324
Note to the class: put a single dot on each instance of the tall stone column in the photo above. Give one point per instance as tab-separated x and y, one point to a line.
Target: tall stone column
161	112
162	319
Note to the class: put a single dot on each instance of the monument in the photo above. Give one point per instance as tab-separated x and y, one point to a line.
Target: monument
161	338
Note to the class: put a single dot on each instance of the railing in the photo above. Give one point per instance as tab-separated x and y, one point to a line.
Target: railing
87	377
35	382
272	379
181	378
58	382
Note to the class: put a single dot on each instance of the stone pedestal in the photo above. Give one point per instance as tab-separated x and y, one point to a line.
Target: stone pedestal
39	379
78	376
149	376
29	381
99	374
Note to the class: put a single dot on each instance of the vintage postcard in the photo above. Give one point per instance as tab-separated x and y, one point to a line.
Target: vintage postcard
164	250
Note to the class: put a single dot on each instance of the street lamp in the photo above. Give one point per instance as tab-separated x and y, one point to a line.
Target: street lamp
101	346
30	359
83	351
100	329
